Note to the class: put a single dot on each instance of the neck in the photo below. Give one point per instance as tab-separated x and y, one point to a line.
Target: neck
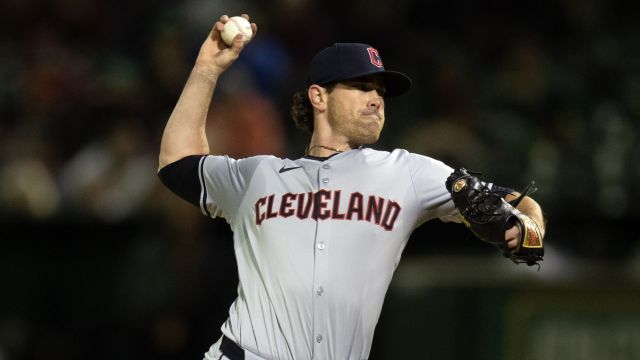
321	150
323	147
325	139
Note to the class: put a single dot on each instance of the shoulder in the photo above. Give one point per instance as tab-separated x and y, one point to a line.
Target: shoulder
401	155
383	155
225	167
417	164
252	161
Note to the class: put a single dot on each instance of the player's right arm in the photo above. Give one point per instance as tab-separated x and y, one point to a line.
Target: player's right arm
184	133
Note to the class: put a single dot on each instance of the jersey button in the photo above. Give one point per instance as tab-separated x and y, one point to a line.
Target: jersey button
319	339
326	166
321	246
325	180
320	291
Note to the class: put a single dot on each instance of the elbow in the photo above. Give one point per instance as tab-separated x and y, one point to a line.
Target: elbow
162	162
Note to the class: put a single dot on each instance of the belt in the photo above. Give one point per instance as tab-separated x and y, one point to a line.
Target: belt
231	350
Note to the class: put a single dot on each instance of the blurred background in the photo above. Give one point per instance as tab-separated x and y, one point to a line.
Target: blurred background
98	260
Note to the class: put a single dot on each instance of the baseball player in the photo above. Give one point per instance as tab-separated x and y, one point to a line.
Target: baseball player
317	239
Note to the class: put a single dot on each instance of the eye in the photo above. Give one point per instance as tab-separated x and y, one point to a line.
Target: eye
367	86
362	86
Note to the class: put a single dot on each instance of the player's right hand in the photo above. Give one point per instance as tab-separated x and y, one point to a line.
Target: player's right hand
215	56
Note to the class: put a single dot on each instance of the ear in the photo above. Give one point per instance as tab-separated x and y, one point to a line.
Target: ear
317	96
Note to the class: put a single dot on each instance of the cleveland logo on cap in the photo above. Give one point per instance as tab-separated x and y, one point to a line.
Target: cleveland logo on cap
375	57
343	61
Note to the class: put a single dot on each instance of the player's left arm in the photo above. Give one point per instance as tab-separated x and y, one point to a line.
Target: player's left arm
529	207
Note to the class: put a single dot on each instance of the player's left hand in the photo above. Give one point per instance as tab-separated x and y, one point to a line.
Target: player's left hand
487	213
512	237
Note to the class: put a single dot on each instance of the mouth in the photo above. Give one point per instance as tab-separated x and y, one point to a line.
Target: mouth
373	113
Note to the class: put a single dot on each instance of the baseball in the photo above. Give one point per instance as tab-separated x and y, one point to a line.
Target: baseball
235	25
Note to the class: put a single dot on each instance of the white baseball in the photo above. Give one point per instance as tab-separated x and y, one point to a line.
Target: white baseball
235	25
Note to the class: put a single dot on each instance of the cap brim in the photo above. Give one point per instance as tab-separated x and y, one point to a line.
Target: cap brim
396	83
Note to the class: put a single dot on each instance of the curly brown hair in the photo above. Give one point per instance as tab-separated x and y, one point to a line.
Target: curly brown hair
302	110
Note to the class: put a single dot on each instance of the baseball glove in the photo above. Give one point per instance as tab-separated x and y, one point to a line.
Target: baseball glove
489	216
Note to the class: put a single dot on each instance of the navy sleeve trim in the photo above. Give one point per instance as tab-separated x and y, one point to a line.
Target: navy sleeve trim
203	193
182	178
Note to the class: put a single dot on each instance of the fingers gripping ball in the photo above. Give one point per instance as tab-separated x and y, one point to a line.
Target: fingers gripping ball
236	25
488	216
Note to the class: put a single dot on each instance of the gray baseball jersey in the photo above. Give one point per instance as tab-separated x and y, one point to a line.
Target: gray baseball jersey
317	242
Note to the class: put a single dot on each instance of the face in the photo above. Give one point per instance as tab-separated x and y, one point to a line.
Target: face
355	109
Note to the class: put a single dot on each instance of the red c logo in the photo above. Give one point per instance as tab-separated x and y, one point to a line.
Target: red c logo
376	60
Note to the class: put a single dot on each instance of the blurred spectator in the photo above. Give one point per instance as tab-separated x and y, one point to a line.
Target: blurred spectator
28	184
28	188
111	177
245	124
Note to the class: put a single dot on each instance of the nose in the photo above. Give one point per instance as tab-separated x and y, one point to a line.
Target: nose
375	100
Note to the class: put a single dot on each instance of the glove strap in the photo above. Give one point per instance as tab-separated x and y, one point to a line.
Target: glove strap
532	236
531	248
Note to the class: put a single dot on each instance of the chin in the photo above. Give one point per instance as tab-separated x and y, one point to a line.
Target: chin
366	133
370	139
374	135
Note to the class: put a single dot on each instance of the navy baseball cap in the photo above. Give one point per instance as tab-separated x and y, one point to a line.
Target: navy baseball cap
343	61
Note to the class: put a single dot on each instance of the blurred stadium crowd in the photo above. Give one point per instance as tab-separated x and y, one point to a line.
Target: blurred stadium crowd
544	91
